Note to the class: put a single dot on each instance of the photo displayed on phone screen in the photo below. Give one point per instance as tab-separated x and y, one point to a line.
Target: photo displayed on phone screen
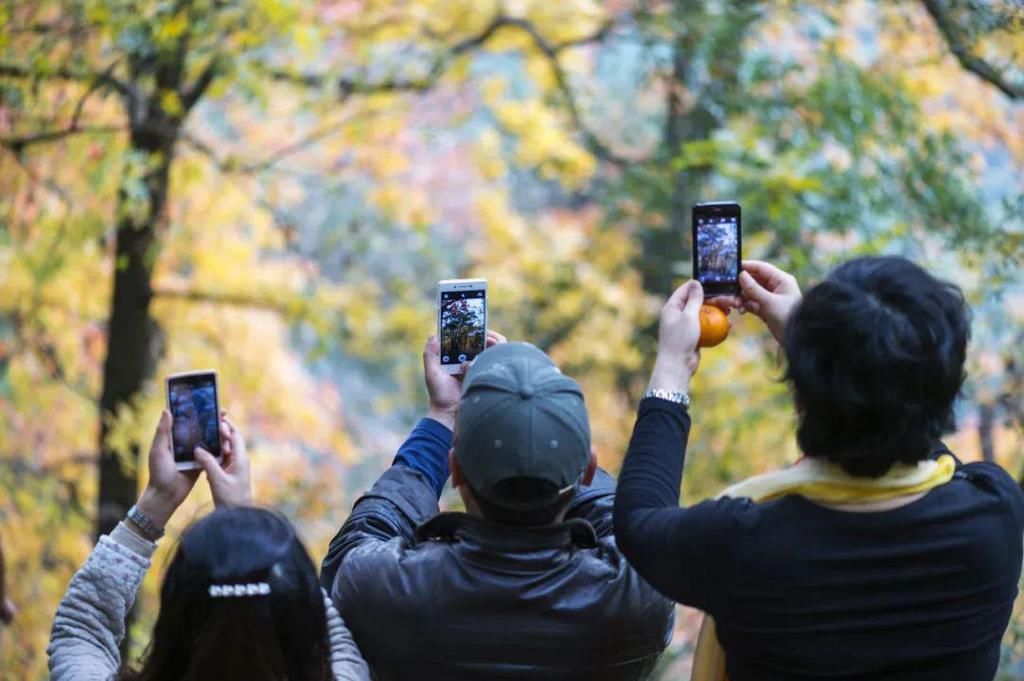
463	319
193	405
717	250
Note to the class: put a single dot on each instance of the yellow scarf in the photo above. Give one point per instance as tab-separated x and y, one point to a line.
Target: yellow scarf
822	482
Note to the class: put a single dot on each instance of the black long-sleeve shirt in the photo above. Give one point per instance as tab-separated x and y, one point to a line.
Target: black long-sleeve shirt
804	592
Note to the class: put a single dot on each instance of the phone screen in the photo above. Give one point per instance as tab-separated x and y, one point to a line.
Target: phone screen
193	404
716	243
463	325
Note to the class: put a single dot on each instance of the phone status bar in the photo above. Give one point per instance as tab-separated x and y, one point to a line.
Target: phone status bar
461	295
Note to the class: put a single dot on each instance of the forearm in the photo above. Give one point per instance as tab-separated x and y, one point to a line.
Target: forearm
652	472
426	450
89	624
651	476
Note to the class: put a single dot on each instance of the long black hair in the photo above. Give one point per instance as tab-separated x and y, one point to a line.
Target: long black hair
875	355
280	635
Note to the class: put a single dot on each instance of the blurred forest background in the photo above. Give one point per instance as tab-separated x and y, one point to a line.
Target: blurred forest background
272	188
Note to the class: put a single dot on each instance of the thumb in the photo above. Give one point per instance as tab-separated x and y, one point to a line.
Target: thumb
680	298
162	437
694	298
752	290
431	353
209	464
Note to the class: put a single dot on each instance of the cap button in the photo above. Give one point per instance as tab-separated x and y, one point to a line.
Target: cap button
526	392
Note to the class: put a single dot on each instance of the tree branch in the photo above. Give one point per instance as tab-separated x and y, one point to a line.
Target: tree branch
244	300
348	86
193	92
74	75
962	51
552	52
231	165
18	144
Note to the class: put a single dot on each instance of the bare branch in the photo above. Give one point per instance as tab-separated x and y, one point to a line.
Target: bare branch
192	93
244	300
18	144
231	165
293	148
348	86
597	147
962	51
46	183
106	78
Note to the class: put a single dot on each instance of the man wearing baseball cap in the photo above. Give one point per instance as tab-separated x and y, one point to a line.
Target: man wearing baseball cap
528	582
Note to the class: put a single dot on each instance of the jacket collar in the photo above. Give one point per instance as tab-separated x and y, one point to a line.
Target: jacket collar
452	526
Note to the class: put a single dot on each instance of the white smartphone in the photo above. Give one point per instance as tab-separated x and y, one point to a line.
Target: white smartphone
195	410
461	321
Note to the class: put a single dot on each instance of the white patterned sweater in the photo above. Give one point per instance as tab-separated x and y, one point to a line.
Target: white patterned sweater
89	623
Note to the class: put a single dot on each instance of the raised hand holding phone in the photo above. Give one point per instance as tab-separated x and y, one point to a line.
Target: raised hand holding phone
170	484
443	388
229	478
678	334
770	293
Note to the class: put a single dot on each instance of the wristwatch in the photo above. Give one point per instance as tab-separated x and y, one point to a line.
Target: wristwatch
147	528
679	398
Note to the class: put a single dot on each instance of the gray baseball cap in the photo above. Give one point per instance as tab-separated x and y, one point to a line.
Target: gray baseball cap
520	417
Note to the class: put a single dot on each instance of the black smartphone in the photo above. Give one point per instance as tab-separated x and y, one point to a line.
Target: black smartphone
192	401
717	247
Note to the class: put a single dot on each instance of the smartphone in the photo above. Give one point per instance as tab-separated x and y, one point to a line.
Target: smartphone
192	401
717	247
461	321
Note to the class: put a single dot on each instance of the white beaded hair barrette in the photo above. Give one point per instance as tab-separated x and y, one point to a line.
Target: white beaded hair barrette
239	590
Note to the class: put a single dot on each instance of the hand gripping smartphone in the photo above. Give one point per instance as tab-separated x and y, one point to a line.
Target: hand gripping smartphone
717	242
195	410
461	321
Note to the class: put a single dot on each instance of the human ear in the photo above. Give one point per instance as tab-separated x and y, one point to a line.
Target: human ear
453	466
588	475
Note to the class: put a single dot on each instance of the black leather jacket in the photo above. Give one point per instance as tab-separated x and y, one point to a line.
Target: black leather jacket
433	596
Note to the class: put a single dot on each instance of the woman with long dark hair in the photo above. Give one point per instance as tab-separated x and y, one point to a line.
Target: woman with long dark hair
240	600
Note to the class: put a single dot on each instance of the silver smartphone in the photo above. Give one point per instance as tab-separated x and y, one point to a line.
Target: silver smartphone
195	410
461	321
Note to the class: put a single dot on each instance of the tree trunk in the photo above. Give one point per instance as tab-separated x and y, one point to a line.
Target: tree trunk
986	427
134	339
664	250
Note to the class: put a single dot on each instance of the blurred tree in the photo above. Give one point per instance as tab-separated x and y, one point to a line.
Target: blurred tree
94	102
157	60
199	183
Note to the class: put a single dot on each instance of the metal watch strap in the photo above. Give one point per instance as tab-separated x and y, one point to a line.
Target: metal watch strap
679	398
145	524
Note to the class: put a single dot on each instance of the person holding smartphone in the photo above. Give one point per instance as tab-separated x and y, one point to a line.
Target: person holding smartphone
240	599
527	583
876	556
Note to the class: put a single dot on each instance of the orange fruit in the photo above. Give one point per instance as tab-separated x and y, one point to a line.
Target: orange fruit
714	326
